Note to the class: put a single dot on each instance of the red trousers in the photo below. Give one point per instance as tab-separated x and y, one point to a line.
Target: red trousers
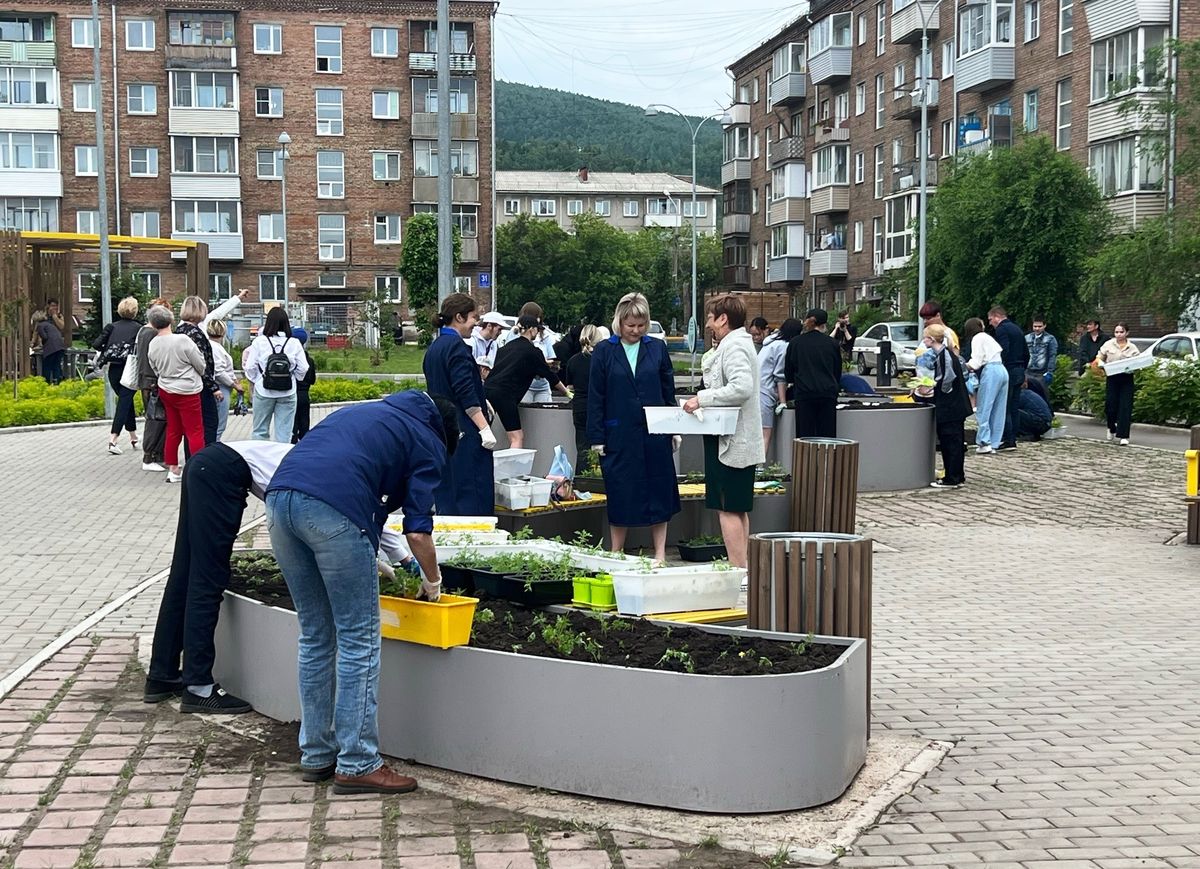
183	420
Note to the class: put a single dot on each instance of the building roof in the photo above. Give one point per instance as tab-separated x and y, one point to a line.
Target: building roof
642	183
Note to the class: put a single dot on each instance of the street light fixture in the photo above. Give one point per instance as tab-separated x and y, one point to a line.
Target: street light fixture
652	111
284	140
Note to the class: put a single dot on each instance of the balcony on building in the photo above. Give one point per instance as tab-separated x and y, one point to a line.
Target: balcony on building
735	224
789	75
1125	115
662	211
1129	172
462	126
462	188
788	209
785	269
221	245
29	102
831	180
211	114
911	17
736	276
736	160
973	139
735	260
830	48
828	263
200	40
786	263
910	104
32	183
829	130
27	40
789	195
737	116
906	176
1107	18
785	150
737	203
423	40
189	185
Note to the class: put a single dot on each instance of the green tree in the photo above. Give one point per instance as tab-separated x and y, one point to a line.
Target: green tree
598	268
1015	227
124	283
419	266
528	262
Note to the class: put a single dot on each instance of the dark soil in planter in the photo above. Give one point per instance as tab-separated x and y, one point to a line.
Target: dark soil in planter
462	578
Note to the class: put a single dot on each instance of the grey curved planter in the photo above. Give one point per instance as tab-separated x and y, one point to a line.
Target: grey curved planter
729	744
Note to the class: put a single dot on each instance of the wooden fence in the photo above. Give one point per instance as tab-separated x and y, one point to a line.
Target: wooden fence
28	279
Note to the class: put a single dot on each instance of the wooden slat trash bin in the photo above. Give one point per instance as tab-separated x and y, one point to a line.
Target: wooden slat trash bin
824	485
804	583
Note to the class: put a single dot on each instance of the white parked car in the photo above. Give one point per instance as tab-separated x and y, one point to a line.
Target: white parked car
1176	347
905	337
655	330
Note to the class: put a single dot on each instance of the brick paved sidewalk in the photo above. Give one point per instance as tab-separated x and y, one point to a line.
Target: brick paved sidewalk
90	776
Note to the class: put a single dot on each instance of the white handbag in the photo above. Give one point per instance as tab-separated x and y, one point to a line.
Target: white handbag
129	377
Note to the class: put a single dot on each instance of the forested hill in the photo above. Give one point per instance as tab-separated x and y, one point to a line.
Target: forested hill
546	129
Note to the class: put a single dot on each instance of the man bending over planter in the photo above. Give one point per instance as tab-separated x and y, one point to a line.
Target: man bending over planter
216	483
326	508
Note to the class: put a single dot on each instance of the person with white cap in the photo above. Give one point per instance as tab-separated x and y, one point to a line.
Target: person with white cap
482	342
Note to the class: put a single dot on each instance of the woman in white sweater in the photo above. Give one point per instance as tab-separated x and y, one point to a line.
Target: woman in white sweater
732	375
990	397
222	372
274	401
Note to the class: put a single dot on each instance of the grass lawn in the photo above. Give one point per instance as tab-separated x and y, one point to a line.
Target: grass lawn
357	360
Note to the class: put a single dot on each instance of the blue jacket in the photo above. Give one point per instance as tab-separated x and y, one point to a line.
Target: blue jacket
1013	350
1043	351
370	460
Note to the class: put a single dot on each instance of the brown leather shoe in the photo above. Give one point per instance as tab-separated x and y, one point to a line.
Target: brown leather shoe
382	781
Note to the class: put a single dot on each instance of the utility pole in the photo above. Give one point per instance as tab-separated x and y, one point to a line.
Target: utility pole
445	166
102	203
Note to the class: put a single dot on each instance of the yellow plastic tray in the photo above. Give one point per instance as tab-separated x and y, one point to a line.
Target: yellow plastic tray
703	617
442	625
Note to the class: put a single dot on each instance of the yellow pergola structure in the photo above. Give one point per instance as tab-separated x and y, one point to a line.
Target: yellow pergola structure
38	266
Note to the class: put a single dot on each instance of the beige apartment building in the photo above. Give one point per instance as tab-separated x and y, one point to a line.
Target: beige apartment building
628	200
821	156
196	95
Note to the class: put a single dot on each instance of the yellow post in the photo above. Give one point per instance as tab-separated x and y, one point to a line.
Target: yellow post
1193	471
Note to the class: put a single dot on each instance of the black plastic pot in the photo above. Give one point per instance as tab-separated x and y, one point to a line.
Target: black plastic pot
512	588
707	552
454	577
589	484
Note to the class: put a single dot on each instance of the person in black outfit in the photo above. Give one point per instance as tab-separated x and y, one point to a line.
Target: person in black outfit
813	368
115	343
951	407
844	334
518	364
1014	353
300	425
568	345
1090	343
575	375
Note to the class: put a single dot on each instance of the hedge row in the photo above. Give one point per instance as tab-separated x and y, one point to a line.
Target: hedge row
1164	394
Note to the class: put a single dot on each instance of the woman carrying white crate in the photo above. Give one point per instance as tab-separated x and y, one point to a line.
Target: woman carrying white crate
1118	388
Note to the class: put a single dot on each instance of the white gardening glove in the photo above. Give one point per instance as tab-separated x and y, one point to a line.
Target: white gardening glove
599	448
430	591
570	395
489	439
385	569
780	408
676	440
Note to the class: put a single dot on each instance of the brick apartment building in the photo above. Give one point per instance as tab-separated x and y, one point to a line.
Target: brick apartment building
196	95
821	169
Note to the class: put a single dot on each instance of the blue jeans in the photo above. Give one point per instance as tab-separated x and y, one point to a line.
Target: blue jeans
329	566
223	409
990	404
282	410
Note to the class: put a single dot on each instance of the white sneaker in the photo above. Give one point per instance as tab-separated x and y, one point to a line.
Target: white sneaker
1111	435
983	451
173	478
1124	442
114	450
153	466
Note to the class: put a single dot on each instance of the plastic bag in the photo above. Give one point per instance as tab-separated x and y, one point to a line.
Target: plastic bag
561	474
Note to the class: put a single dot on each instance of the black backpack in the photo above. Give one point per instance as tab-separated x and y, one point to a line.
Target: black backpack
277	370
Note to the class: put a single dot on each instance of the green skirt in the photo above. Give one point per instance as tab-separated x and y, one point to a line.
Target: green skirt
725	488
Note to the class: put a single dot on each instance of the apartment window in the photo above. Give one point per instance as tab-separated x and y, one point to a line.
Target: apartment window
141	99
143	162
880	29
209	155
152	282
860	98
657	205
332	281
84	283
200	28
832	164
270	227
602	207
85	160
880	105
574	207
879	171
203	90
387	228
1125	62
139	35
268	102
986	24
329	48
144	224
329	112
1130	165
512	207
268	39
701	208
462	95
385	105
832	31
631	208
754	201
464	158
899	211
948	58
460	38
860	167
862	29
30	214
1063	117
269	163
87	222
83	96
28	86
331	237
206	215
948	140
28	151
1033	19
83	34
331	175
542	207
737	143
385	165
466	218
271	288
220	287
388	287
462	284
897	152
899	76
1066	26
754	90
841	106
1031	110
858	236
385	42
788	59
754	151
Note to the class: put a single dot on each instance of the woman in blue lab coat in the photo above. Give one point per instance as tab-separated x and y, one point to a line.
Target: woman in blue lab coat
451	373
631	371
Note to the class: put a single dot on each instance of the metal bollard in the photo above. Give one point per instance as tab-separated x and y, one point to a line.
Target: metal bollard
885	364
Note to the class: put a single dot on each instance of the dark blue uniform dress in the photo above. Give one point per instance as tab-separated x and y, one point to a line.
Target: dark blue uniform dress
638	467
466	486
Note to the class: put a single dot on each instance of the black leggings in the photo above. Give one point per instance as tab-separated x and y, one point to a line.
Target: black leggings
1118	403
124	417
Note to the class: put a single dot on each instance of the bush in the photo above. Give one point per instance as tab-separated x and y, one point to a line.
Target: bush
39	403
343	389
1163	395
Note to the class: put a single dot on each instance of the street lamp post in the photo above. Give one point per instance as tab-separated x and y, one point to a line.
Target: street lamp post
284	140
693	326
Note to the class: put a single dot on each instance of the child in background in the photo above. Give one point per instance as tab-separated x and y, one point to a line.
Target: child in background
300	426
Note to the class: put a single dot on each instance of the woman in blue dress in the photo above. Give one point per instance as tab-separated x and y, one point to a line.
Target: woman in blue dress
451	373
632	371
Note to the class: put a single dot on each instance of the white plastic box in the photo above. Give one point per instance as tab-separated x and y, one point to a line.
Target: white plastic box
675	420
539	490
1125	366
513	494
512	463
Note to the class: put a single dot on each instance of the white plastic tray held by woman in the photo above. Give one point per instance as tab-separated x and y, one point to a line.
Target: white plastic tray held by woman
640	589
1124	366
675	420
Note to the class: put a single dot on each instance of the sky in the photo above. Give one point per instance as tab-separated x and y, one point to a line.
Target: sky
634	51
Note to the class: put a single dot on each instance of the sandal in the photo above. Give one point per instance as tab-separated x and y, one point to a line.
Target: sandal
133	442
